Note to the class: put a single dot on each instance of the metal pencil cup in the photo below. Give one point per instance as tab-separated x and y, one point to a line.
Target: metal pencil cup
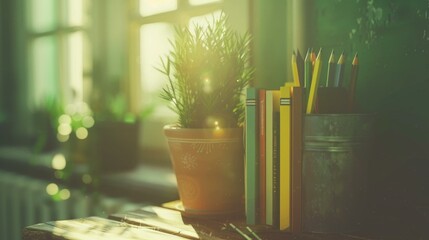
336	151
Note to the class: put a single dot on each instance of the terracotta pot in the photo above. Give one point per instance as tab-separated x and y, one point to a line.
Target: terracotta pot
209	167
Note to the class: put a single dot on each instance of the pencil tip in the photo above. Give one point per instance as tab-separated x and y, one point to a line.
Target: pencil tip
320	52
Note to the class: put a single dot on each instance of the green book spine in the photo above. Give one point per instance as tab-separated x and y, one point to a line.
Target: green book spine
252	156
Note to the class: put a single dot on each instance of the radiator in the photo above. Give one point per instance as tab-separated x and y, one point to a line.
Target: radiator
24	201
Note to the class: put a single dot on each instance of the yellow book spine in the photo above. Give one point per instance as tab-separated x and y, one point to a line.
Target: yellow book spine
285	156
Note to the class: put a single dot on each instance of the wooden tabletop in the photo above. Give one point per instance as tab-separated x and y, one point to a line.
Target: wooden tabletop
153	222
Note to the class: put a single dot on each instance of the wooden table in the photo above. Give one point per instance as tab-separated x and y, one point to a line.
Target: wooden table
153	222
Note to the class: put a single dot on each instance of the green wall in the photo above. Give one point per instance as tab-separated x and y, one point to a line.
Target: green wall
392	40
270	34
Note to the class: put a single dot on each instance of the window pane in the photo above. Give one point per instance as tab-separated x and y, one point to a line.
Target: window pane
201	2
42	15
204	20
74	61
44	70
151	7
154	44
74	10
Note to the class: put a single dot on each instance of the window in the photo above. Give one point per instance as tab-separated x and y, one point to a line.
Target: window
58	48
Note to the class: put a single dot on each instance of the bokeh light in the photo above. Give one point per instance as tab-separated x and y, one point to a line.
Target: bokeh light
52	189
64	194
81	133
58	162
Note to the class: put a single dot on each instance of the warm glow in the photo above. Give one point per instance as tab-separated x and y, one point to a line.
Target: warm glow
58	162
64	129
52	189
207	86
64	194
88	121
201	2
75	12
151	7
81	133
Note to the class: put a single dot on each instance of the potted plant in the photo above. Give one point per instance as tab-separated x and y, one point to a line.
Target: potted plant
116	133
208	70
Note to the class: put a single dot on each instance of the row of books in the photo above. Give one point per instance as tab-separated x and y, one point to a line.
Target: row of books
273	119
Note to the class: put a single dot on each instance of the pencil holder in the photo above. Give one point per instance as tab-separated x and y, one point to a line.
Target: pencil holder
336	151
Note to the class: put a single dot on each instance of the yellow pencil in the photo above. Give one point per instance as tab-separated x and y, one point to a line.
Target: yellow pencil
314	84
295	73
352	87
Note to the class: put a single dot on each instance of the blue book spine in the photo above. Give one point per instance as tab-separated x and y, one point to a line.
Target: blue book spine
251	166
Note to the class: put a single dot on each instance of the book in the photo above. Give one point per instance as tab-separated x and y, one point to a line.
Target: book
269	158
297	112
285	137
276	159
262	156
251	163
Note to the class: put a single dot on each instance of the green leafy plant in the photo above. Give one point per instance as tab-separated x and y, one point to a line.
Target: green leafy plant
207	70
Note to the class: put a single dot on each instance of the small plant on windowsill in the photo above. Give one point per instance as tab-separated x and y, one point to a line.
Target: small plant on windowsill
117	132
208	70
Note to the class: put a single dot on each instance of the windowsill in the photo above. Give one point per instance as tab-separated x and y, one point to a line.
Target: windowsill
146	183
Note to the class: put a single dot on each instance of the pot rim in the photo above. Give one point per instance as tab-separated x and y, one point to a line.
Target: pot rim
175	131
176	127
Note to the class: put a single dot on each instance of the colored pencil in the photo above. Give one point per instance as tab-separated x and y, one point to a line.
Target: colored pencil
331	70
300	64
314	84
308	69
295	73
313	57
352	86
339	73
